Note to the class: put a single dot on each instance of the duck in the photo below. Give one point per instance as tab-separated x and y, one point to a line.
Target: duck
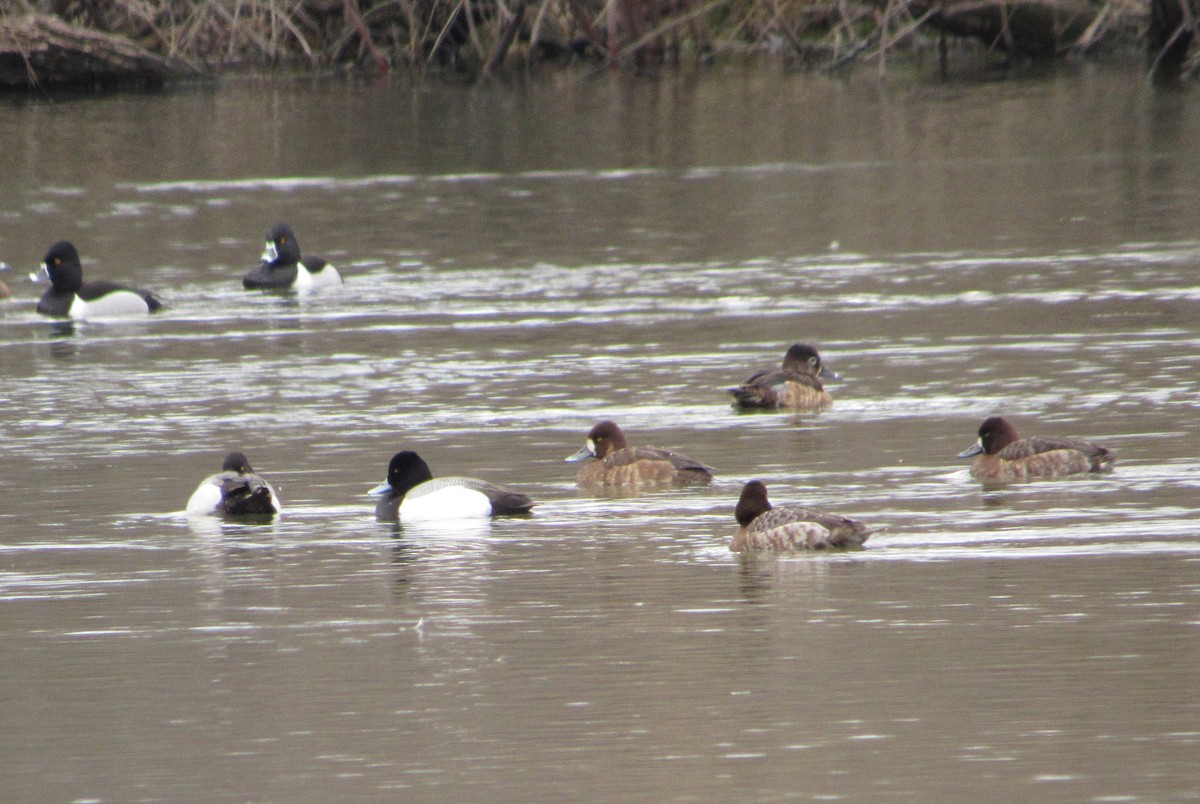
234	491
412	494
612	462
70	297
762	526
5	292
282	267
796	385
1000	454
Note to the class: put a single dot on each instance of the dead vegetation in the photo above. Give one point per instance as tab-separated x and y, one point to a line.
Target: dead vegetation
90	41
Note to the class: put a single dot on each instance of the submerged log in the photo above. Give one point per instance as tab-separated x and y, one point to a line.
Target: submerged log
38	50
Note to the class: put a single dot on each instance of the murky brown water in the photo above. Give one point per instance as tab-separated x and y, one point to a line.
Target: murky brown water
520	263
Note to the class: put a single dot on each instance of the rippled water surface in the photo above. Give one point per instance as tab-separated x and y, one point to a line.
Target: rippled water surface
520	263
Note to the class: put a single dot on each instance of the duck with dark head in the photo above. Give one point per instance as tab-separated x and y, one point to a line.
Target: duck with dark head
412	494
234	491
612	462
283	268
762	526
1001	455
796	385
71	297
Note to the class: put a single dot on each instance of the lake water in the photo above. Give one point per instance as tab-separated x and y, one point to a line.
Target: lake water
521	262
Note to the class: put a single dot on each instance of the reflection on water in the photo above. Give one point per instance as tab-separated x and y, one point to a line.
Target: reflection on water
509	285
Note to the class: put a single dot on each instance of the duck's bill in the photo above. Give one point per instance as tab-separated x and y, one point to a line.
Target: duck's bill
42	274
270	253
583	454
380	490
974	449
829	374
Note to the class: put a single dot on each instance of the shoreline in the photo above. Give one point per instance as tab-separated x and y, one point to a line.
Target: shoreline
113	48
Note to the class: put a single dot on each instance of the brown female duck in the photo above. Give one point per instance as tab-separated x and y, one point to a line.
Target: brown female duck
795	386
790	527
1001	455
614	463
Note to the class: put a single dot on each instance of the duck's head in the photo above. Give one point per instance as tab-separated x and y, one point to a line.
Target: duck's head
405	470
237	462
995	434
61	268
804	359
752	504
603	439
282	247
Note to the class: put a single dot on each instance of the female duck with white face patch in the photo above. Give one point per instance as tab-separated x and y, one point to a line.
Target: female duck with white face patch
70	297
1001	455
283	268
412	494
611	462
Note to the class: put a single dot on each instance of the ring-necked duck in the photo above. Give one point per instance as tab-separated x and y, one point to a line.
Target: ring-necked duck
790	527
70	296
618	464
235	491
1002	455
796	385
282	267
412	494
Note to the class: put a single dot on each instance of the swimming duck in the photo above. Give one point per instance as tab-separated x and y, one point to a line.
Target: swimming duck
789	527
1002	455
412	494
282	266
235	491
796	385
618	464
70	296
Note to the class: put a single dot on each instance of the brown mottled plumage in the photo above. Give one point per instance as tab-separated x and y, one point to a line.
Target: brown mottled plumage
796	385
1002	455
615	463
789	527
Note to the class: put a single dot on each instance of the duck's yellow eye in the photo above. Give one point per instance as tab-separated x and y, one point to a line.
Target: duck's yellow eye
58	260
282	240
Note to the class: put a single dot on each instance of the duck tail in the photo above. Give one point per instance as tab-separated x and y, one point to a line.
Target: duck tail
749	396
